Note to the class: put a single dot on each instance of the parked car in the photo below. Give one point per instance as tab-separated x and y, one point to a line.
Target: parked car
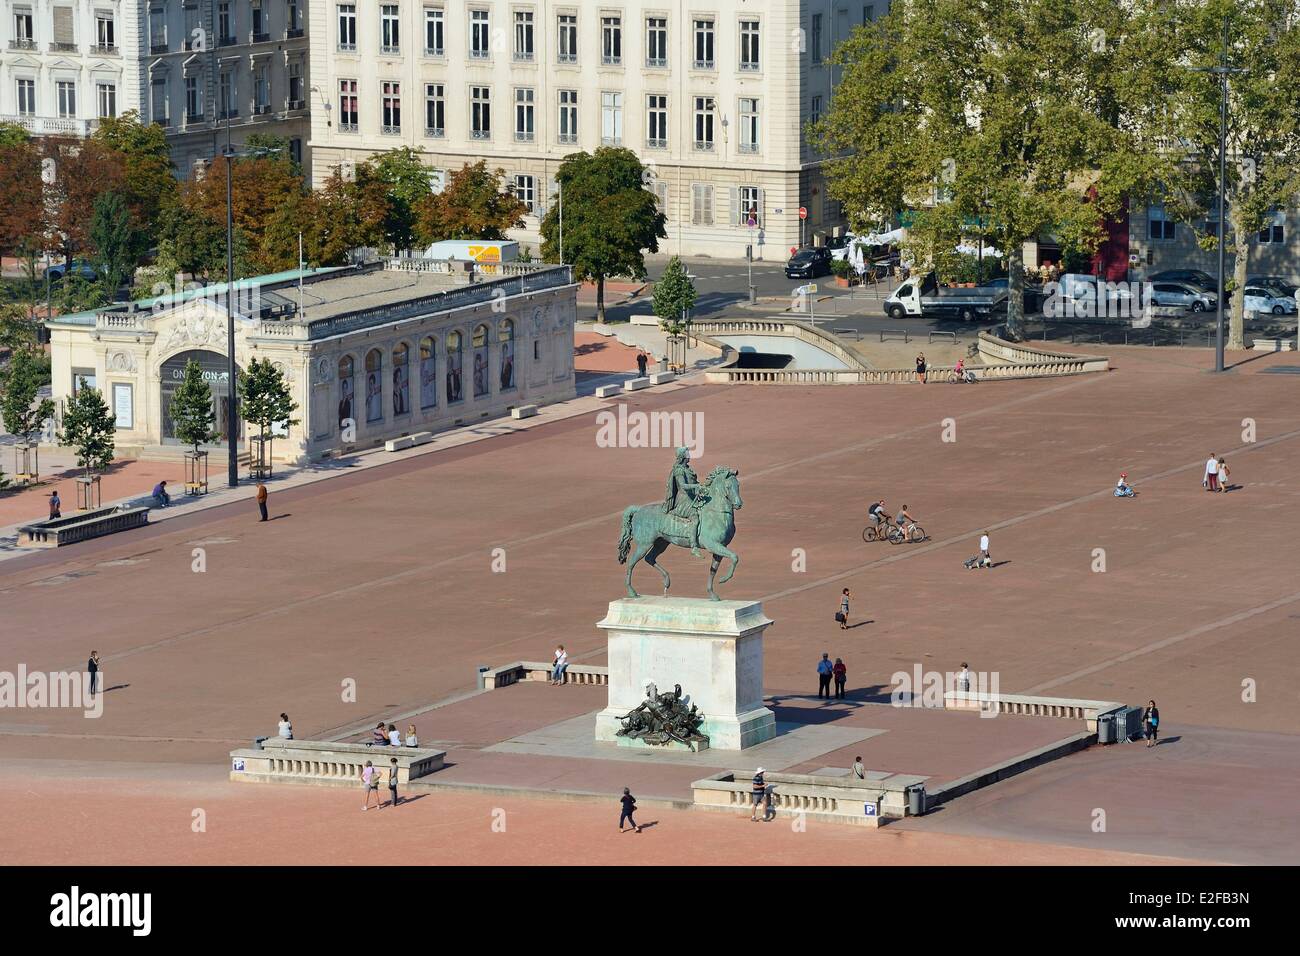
1194	277
1277	285
1260	301
79	267
809	263
1182	295
1032	291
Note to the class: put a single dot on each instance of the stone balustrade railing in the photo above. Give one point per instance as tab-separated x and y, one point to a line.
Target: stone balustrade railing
81	527
539	671
788	328
328	763
1027	705
122	321
843	799
998	353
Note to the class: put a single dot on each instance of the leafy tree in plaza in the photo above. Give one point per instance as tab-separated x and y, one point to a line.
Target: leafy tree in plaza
88	426
405	179
475	204
22	213
20	383
83	171
149	182
610	218
115	240
1024	115
348	214
274	147
265	398
1262	136
674	297
193	418
260	186
194	241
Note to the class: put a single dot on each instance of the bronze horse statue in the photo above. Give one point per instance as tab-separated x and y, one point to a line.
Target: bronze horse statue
654	530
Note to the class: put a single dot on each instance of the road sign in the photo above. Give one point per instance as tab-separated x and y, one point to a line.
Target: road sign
803	212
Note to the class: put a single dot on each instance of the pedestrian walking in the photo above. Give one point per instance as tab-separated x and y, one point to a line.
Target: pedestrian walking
286	728
56	505
641	361
1151	724
1223	476
261	499
981	560
370	784
628	803
841	675
1211	481
843	615
963	678
859	769
92	666
759	790
392	782
920	367
560	666
825	669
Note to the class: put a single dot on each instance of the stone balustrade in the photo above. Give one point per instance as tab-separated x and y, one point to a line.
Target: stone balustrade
80	527
839	799
328	763
1030	706
537	670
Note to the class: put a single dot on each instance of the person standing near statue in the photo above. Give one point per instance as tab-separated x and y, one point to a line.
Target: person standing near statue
680	497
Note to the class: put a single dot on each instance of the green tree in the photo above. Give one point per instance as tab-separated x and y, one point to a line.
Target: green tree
12	134
20	382
610	218
265	398
115	239
193	419
674	297
405	178
1023	115
150	182
475	204
88	426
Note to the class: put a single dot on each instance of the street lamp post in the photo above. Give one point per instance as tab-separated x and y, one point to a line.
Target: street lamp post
232	415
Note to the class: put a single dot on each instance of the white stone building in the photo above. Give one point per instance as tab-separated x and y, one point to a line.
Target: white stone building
713	95
376	352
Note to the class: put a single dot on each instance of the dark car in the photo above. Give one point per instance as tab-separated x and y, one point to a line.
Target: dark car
1278	285
79	267
809	264
1032	291
1202	280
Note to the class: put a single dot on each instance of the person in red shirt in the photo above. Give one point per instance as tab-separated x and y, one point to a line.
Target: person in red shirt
841	676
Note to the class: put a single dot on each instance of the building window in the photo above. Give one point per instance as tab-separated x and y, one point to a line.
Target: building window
526	192
704	123
295	150
293	20
701	204
480	112
66	92
391	101
815	111
225	25
524	115
749	205
480	35
749	45
106	94
374	386
661	196
347	26
703	45
435	110
261	90
568	124
1274	230
428	373
611	41
433	31
815	38
24	38
64	34
390	39
568	38
229	98
656	42
193	100
749	129
347	106
157	29
868	12
297	100
611	118
524	35
105	32
26	97
1162	227
260	33
158	102
656	114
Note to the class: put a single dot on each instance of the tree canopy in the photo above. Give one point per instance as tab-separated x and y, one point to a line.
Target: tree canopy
475	204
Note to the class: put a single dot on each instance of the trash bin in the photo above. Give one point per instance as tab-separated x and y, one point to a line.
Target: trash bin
915	799
1106	729
257	743
482	676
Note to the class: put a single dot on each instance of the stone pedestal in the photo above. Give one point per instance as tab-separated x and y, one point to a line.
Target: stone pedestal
714	649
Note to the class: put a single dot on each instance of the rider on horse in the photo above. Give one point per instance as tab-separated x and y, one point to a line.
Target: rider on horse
682	497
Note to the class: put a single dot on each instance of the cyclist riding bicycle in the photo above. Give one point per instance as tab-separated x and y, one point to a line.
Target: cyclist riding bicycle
878	515
1122	488
906	522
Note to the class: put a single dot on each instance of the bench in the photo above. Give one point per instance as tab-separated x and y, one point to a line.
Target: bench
523	411
508	674
832	799
1273	345
660	378
644	320
600	328
328	763
398	444
635	384
608	391
57	532
421	438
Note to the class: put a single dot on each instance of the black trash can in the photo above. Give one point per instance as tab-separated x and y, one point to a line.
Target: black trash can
915	799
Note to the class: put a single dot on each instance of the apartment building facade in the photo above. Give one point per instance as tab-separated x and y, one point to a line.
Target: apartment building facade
64	64
712	95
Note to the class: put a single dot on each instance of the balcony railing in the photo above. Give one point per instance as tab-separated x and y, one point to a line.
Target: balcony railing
480	134
702	65
261	109
294	33
228	114
104	49
568	139
611	141
226	41
748	147
157	47
703	146
523	136
480	54
347	47
262	37
391	130
523	56
749	66
435	132
390	49
192	119
652	143
59	46
297	104
567	58
347	127
51	126
656	62
22	44
611	61
434	51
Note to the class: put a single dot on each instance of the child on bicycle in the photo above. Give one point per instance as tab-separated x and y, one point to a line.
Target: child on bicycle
1122	487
